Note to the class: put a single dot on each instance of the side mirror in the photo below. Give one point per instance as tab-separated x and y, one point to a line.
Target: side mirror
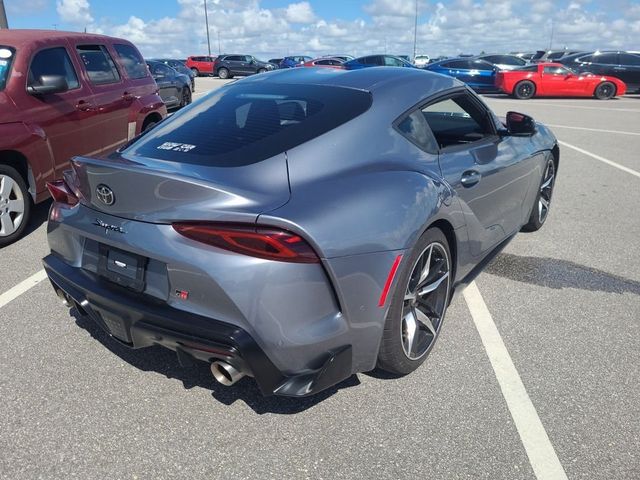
519	124
48	85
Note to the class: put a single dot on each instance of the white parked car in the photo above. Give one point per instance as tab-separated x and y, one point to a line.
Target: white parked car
421	60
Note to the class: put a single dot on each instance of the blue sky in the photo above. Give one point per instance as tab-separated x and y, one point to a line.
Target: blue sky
279	27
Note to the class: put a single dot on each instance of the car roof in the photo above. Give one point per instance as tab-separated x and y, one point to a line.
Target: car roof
19	37
369	79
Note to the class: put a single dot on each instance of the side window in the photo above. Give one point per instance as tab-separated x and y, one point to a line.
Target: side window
606	58
457	121
508	60
481	65
629	59
493	59
457	64
392	62
161	69
131	61
98	64
415	128
555	71
53	61
586	58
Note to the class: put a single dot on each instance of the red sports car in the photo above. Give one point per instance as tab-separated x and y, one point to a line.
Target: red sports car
556	80
327	62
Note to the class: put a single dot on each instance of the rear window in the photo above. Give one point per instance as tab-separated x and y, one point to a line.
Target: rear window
6	57
131	61
240	124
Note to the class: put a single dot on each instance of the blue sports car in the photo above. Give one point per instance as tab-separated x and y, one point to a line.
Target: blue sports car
377	61
478	74
301	226
295	61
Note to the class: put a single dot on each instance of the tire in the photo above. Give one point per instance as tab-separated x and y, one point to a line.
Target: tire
148	124
605	91
223	73
262	70
15	205
398	354
195	71
542	203
185	97
524	90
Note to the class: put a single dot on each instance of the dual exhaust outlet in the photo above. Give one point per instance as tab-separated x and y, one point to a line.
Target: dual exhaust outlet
225	373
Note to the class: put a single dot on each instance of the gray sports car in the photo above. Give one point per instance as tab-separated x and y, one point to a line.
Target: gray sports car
299	226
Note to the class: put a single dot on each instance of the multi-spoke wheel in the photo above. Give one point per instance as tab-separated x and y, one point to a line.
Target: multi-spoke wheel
418	306
605	91
14	205
524	90
542	205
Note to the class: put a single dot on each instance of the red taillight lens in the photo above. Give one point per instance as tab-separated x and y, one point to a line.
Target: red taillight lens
62	193
267	243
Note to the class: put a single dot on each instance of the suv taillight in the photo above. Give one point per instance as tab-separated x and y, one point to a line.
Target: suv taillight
262	242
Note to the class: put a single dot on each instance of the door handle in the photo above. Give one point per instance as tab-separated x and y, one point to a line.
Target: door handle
84	106
470	178
128	97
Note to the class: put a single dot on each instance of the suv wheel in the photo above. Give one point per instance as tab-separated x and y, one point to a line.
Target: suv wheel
195	71
15	205
223	73
262	70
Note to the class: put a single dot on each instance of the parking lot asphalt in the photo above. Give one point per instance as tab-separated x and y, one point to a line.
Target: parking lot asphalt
565	301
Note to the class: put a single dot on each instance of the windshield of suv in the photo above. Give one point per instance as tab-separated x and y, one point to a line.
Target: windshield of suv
6	57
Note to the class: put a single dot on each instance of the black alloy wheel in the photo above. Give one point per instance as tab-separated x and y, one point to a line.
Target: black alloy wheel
418	306
605	91
542	204
524	90
185	97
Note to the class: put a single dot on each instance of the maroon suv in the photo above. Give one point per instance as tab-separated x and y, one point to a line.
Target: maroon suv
64	94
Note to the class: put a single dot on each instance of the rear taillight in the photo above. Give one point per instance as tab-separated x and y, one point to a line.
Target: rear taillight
62	193
267	243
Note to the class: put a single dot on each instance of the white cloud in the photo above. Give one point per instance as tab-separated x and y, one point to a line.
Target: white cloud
445	28
76	12
300	13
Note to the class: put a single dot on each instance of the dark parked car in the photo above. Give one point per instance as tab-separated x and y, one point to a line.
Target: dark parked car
64	94
478	74
174	87
622	65
556	55
377	61
275	62
201	65
503	61
295	61
301	226
179	67
229	66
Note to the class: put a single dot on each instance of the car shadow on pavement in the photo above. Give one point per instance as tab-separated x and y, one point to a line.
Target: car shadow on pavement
556	273
39	215
161	360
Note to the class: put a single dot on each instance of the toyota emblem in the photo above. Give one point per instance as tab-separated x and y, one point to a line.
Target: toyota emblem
105	194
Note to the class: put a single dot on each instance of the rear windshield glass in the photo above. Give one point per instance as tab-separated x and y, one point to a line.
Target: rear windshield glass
6	57
244	124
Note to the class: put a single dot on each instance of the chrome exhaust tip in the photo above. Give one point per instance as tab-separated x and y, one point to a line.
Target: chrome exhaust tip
63	297
225	374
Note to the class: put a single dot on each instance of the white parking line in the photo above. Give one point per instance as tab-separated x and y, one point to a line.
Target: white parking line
592	129
541	453
602	159
22	287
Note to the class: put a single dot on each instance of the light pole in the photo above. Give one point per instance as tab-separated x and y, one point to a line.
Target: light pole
415	33
3	16
551	36
206	20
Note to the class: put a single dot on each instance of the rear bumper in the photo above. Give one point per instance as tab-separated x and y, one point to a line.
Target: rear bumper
140	321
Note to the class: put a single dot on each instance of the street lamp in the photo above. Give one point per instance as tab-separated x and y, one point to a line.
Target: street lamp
206	19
